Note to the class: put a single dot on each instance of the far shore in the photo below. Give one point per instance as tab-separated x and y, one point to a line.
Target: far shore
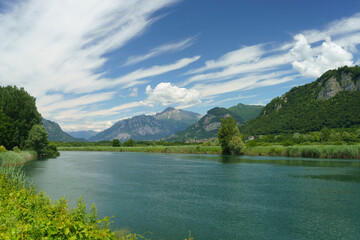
308	151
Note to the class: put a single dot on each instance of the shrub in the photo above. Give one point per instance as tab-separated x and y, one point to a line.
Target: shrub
16	149
2	149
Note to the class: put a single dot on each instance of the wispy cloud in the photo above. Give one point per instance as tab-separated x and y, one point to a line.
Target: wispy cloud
55	57
166	48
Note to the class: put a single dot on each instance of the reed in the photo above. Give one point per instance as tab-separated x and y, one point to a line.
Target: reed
309	151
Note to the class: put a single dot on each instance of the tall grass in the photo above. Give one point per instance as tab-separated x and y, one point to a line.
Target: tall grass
193	149
16	158
310	151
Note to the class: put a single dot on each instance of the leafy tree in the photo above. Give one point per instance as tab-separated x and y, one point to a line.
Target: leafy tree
38	140
229	136
129	143
6	130
20	109
51	150
116	143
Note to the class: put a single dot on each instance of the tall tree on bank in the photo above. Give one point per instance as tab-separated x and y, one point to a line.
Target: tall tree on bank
20	110
229	136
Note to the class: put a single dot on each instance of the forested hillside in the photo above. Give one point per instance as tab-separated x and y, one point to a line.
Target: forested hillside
332	101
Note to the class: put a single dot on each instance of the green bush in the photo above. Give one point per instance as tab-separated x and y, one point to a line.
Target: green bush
24	214
2	149
16	149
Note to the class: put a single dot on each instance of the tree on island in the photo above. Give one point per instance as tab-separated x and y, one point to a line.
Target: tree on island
229	137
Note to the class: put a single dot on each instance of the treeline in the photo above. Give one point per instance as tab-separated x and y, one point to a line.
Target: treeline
325	136
117	143
20	123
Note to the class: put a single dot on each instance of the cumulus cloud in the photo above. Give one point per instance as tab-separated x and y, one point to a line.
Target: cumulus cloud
313	62
167	94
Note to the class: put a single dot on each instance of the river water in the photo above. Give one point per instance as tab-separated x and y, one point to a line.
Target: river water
214	197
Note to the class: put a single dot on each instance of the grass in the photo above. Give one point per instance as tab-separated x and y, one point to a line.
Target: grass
11	158
310	151
193	149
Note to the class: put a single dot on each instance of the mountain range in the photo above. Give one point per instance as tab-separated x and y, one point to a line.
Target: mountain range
208	126
332	101
55	133
82	134
147	127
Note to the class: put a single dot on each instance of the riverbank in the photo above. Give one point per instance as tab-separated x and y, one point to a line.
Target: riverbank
309	151
11	158
190	149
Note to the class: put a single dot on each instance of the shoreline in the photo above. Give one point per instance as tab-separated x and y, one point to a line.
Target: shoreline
307	151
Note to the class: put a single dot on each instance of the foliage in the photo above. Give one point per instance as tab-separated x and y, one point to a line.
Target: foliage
246	112
16	149
38	140
197	149
236	145
311	151
21	114
51	150
299	110
129	143
116	143
6	130
229	136
2	149
24	214
10	158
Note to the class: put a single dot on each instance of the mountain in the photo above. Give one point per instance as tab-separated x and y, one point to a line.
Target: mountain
332	101
145	127
208	126
82	134
55	133
247	112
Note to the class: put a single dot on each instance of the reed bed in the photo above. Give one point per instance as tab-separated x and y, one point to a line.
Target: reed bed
11	158
192	149
309	151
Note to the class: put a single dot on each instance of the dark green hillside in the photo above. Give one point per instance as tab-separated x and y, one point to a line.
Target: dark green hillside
207	127
56	134
332	101
246	112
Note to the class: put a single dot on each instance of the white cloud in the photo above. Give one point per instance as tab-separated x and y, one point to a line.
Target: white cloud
134	78
313	62
239	56
133	92
167	94
169	47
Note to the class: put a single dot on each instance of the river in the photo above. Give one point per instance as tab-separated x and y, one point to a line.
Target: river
214	197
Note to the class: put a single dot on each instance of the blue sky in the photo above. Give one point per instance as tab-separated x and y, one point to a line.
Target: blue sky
90	63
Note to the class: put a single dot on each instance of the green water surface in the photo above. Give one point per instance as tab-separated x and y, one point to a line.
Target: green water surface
214	197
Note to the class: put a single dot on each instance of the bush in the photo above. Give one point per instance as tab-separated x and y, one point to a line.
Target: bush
16	149
2	149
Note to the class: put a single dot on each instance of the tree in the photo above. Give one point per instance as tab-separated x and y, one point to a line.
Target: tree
38	140
129	143
20	109
116	143
229	136
6	130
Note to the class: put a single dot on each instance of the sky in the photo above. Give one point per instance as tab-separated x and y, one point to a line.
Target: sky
91	63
